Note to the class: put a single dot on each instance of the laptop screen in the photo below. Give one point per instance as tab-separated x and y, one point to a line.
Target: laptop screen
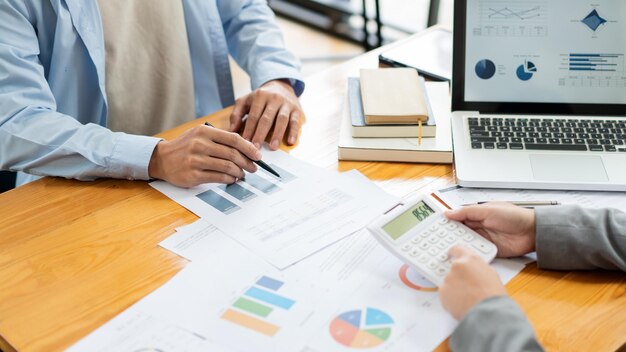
567	52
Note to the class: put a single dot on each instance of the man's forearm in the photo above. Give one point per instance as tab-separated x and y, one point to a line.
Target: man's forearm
573	238
495	324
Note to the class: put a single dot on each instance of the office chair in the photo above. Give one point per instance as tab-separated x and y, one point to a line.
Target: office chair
7	180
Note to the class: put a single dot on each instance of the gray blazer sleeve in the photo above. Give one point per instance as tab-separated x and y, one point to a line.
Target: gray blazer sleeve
494	325
573	238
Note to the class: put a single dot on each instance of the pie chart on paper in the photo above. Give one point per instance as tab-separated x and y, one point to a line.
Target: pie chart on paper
361	329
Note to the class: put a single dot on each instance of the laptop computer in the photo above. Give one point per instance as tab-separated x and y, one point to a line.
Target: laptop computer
539	94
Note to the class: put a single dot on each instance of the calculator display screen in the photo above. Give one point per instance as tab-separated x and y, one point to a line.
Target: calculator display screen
408	220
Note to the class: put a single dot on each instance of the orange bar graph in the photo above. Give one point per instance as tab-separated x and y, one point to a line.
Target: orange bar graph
249	322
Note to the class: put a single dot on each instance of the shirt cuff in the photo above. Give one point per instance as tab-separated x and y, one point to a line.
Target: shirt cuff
131	156
273	72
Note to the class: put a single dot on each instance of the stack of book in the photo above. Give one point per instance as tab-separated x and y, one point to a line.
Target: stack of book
381	122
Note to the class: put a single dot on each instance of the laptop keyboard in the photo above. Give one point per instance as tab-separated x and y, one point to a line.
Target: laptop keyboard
547	134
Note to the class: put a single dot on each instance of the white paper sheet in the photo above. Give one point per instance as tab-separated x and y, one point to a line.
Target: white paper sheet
136	331
456	196
286	221
354	275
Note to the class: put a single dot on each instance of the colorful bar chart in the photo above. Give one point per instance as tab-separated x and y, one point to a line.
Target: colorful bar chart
256	304
361	328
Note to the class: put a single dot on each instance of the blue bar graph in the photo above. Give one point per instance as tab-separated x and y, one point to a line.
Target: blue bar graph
270	298
595	62
270	283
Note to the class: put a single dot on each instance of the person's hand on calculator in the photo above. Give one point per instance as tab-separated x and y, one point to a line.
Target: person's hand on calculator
509	227
470	281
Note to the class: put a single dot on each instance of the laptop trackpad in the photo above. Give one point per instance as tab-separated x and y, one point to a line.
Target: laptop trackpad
568	168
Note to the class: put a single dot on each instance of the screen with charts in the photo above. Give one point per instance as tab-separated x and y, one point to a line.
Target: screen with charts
548	51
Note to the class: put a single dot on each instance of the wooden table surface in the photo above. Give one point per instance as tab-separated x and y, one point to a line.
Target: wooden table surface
75	254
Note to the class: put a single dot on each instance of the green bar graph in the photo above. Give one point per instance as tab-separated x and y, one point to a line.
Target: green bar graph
252	307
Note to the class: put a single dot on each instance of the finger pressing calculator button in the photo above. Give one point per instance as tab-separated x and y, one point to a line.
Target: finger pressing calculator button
468	237
451	226
406	247
481	246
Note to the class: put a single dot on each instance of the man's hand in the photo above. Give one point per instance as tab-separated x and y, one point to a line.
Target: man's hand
273	104
201	155
469	281
511	228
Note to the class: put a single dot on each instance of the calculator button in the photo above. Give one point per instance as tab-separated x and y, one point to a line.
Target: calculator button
406	247
424	234
468	237
424	245
451	226
481	246
416	240
415	252
460	232
433	228
433	251
442	245
450	239
423	259
442	257
441	271
442	221
441	233
432	264
433	239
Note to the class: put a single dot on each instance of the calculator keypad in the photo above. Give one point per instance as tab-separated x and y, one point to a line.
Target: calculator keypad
429	247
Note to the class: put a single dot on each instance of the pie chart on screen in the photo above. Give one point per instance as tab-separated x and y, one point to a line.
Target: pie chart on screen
361	328
525	71
485	69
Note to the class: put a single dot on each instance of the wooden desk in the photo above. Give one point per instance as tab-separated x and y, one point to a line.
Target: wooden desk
74	254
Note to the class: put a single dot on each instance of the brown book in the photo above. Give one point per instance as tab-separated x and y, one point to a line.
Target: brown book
392	96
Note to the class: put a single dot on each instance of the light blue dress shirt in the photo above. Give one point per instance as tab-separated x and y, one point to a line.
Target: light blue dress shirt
53	105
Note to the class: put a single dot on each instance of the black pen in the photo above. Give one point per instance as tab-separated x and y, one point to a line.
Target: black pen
263	165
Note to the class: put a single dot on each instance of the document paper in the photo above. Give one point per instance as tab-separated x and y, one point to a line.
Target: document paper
285	220
351	295
457	196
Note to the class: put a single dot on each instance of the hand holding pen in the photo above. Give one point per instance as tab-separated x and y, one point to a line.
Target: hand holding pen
259	162
203	155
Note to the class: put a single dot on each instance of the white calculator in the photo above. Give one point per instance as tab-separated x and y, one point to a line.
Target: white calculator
417	232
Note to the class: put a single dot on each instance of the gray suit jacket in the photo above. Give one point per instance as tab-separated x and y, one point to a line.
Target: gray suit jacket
568	238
